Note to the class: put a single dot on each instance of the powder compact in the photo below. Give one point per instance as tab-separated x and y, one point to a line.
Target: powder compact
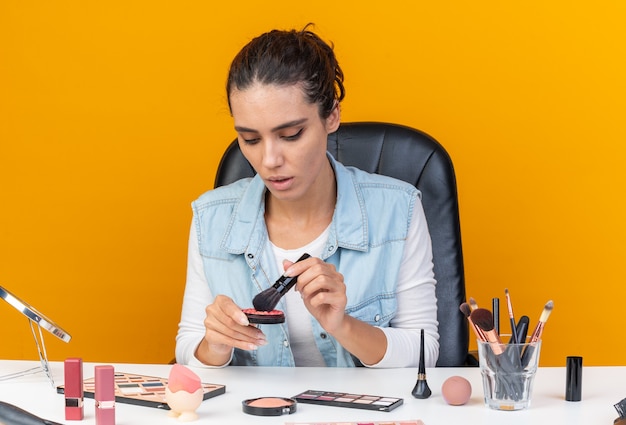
269	406
264	317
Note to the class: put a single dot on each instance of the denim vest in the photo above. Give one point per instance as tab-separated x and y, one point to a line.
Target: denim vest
366	241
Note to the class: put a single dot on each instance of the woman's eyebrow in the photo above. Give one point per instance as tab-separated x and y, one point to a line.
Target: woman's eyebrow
277	128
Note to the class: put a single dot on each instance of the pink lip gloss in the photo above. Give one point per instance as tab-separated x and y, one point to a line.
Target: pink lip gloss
73	371
105	395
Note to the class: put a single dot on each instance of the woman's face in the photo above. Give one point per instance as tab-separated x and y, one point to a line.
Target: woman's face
283	137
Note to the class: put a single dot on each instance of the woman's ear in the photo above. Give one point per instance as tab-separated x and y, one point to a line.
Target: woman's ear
334	119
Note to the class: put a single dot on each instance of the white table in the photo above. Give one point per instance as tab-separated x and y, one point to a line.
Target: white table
602	388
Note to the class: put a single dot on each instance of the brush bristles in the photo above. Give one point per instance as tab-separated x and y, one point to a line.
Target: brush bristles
482	318
546	311
266	300
508	302
465	309
473	304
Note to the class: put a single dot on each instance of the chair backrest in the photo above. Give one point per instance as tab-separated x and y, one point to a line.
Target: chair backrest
415	157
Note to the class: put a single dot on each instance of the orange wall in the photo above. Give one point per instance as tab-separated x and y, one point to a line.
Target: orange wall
113	117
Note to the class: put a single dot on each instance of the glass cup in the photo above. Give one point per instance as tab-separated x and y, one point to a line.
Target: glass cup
508	372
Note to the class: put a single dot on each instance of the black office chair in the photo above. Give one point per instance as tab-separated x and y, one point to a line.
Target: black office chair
413	156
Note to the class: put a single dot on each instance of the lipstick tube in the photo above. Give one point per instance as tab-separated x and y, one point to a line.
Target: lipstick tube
73	371
105	395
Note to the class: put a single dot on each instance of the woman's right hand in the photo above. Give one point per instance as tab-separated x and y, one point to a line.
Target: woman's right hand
227	327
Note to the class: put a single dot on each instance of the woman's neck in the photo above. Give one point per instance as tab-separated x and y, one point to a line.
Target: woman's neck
292	224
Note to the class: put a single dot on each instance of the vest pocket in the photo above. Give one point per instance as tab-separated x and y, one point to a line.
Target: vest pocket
376	311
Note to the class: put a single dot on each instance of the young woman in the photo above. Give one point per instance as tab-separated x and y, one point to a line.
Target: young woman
368	288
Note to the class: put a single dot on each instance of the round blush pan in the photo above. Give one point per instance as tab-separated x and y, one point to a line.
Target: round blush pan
269	406
264	317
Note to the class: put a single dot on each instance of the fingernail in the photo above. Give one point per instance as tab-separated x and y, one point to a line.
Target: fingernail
243	319
252	347
261	342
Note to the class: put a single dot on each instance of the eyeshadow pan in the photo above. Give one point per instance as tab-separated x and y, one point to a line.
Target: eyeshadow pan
307	396
152	384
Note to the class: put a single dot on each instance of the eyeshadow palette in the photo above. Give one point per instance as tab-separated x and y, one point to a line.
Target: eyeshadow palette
356	401
142	390
407	422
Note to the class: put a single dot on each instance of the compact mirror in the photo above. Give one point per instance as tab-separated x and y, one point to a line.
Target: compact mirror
34	315
39	319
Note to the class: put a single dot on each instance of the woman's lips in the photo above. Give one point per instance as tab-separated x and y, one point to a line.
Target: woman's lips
280	183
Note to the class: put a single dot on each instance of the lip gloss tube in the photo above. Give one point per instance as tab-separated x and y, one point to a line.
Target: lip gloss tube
73	371
105	395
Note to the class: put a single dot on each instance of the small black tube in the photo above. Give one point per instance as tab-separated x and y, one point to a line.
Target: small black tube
574	378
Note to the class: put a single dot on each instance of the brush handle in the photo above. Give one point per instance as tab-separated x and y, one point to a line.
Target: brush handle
285	283
522	329
495	308
536	336
514	336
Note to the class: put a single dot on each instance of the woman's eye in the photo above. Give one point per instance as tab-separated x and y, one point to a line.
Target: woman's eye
294	136
251	141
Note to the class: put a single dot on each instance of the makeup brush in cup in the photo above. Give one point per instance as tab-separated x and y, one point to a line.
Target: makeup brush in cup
547	309
498	357
473	304
521	329
483	319
536	335
509	306
266	300
466	310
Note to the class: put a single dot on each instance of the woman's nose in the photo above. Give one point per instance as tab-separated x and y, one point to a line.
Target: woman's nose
272	154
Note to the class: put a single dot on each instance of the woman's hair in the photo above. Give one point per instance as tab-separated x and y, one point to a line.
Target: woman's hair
290	57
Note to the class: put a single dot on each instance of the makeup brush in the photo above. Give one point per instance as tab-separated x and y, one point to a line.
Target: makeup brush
266	300
547	309
421	389
466	310
536	335
511	317
483	319
521	329
473	304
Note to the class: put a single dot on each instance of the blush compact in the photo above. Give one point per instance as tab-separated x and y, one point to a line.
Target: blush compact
269	406
264	317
